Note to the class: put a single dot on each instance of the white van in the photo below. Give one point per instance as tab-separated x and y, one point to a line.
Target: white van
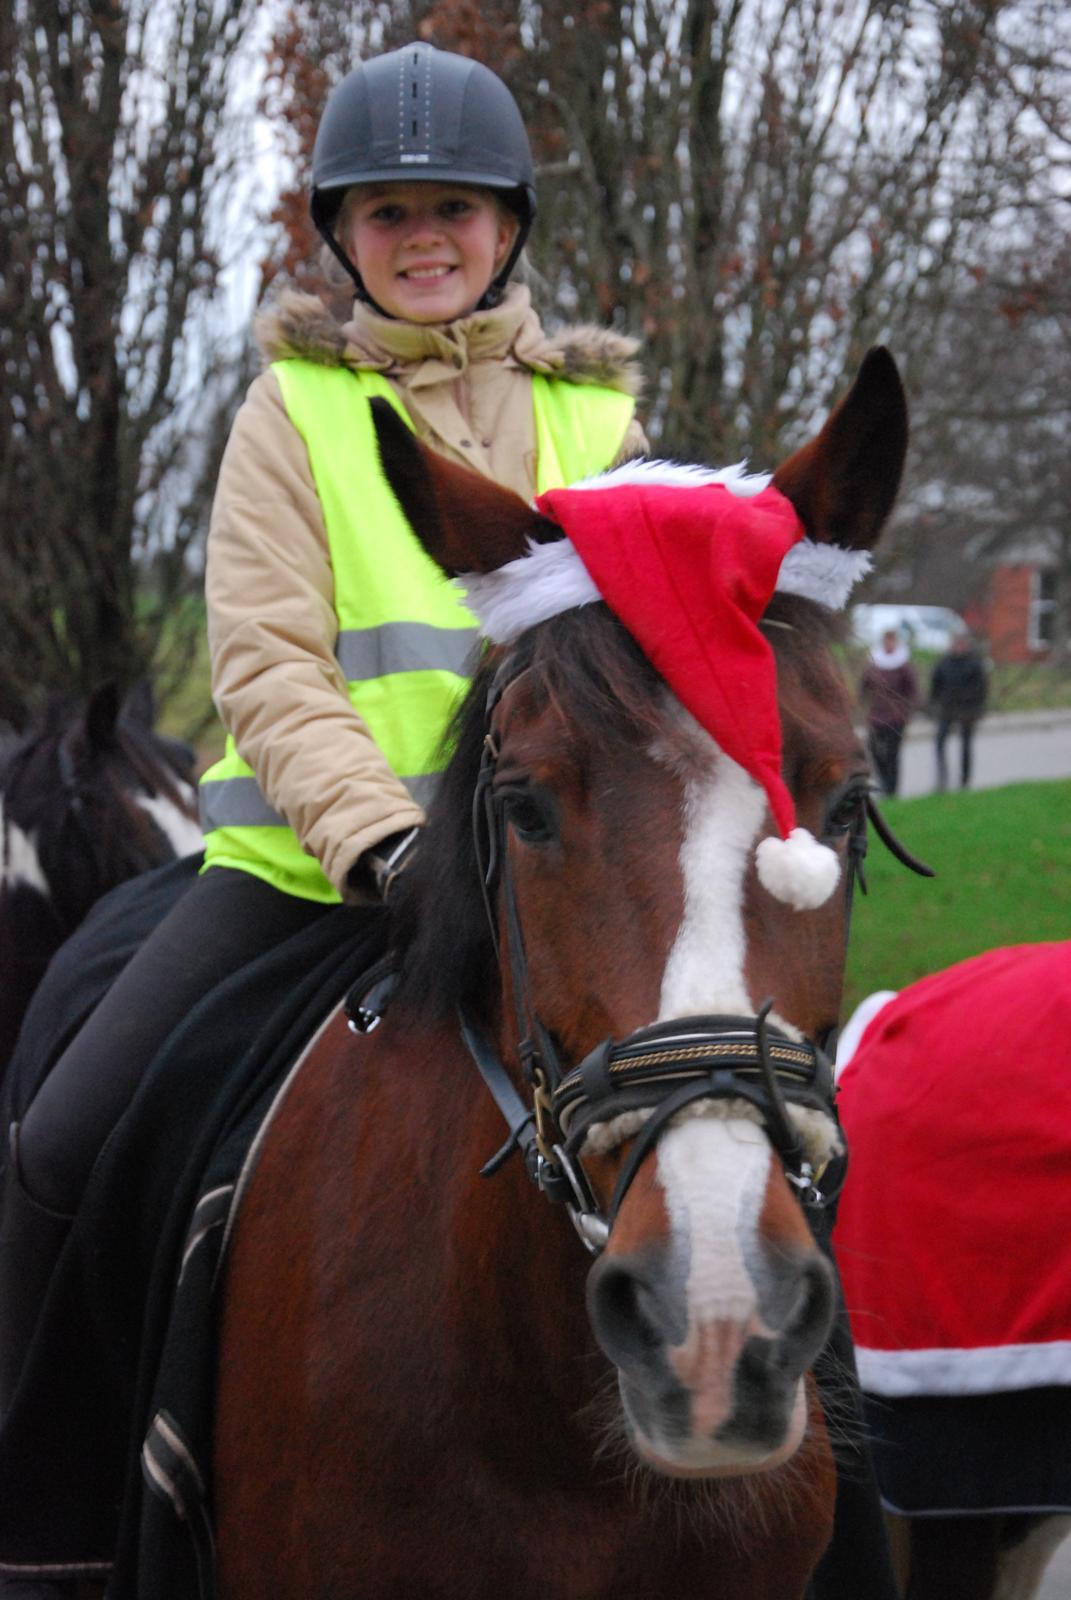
920	627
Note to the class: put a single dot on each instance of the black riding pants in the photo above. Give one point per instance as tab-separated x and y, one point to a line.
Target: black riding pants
223	921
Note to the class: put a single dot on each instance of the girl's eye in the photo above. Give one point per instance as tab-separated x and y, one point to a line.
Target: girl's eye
847	813
387	214
528	813
455	208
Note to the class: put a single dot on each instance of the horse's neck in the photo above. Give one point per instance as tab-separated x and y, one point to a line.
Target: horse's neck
508	1263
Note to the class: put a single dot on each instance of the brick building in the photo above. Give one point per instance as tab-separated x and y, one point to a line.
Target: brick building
1016	612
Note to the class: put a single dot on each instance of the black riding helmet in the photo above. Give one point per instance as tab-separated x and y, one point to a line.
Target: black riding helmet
425	115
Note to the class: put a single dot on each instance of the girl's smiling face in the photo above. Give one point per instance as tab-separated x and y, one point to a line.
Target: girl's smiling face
426	252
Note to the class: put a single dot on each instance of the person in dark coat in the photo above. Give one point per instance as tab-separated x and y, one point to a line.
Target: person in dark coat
959	689
890	692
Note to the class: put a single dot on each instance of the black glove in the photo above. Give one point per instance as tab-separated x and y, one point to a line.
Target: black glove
373	873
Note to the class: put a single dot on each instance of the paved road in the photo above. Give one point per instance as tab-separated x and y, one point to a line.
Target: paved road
1008	748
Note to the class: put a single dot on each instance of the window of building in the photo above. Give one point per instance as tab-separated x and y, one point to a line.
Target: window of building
1042	608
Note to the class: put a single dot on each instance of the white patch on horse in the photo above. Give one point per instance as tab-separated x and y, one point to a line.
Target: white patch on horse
21	864
723	815
724	811
181	831
714	1173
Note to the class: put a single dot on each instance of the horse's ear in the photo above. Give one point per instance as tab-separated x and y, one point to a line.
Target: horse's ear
102	716
844	482
465	522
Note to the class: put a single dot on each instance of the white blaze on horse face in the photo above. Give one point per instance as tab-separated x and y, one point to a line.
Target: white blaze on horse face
723	814
181	831
714	1170
21	864
714	1173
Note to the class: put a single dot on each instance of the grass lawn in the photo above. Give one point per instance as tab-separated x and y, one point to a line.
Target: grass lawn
1003	864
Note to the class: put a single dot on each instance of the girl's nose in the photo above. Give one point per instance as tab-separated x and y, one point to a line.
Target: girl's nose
423	227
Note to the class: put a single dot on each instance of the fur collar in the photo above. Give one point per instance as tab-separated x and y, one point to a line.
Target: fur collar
300	325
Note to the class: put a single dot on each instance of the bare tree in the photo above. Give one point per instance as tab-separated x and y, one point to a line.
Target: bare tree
760	188
991	470
117	140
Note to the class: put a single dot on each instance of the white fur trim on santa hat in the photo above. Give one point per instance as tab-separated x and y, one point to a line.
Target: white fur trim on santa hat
643	470
798	870
550	579
826	573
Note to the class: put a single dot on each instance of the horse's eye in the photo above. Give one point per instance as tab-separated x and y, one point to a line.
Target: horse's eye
529	814
847	812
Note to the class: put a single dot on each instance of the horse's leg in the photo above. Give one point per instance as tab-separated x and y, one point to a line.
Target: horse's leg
1028	1545
953	1558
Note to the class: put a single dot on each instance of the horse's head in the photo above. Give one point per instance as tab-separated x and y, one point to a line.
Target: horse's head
88	799
645	904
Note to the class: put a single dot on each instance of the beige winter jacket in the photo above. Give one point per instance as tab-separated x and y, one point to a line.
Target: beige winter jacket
269	587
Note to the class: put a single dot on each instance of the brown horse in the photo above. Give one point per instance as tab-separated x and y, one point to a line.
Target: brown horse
424	1387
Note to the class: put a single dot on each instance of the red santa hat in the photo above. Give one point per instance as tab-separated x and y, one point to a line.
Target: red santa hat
688	561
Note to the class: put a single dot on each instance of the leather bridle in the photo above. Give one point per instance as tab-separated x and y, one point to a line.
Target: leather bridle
657	1070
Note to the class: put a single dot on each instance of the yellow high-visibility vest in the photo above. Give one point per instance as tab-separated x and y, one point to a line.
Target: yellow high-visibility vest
406	644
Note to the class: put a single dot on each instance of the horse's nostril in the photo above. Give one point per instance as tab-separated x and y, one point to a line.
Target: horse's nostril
811	1317
624	1313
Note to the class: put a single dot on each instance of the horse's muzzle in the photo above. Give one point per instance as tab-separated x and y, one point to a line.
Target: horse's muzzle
719	1396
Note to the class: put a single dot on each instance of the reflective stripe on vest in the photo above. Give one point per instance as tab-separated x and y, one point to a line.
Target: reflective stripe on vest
406	644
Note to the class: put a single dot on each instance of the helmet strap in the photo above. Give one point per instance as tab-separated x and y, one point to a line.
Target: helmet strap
328	237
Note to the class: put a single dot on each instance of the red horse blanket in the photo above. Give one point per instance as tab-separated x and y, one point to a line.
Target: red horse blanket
953	1237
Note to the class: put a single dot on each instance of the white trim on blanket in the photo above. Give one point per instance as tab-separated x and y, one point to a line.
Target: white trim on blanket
986	1370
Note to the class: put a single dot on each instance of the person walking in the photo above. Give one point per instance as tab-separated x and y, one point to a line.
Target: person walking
890	692
959	690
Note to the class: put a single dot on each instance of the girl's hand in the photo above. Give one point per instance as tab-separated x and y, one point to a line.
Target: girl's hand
372	876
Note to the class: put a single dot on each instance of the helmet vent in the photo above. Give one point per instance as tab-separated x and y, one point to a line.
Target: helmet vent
414	106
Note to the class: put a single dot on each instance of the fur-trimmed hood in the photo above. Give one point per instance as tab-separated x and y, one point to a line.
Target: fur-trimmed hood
300	325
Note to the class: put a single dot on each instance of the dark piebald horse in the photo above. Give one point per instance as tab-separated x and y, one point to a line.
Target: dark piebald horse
425	1387
88	799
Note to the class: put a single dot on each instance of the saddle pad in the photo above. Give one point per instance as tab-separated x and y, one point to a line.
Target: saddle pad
952	1227
129	1332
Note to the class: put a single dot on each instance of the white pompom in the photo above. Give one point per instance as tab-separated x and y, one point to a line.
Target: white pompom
798	869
